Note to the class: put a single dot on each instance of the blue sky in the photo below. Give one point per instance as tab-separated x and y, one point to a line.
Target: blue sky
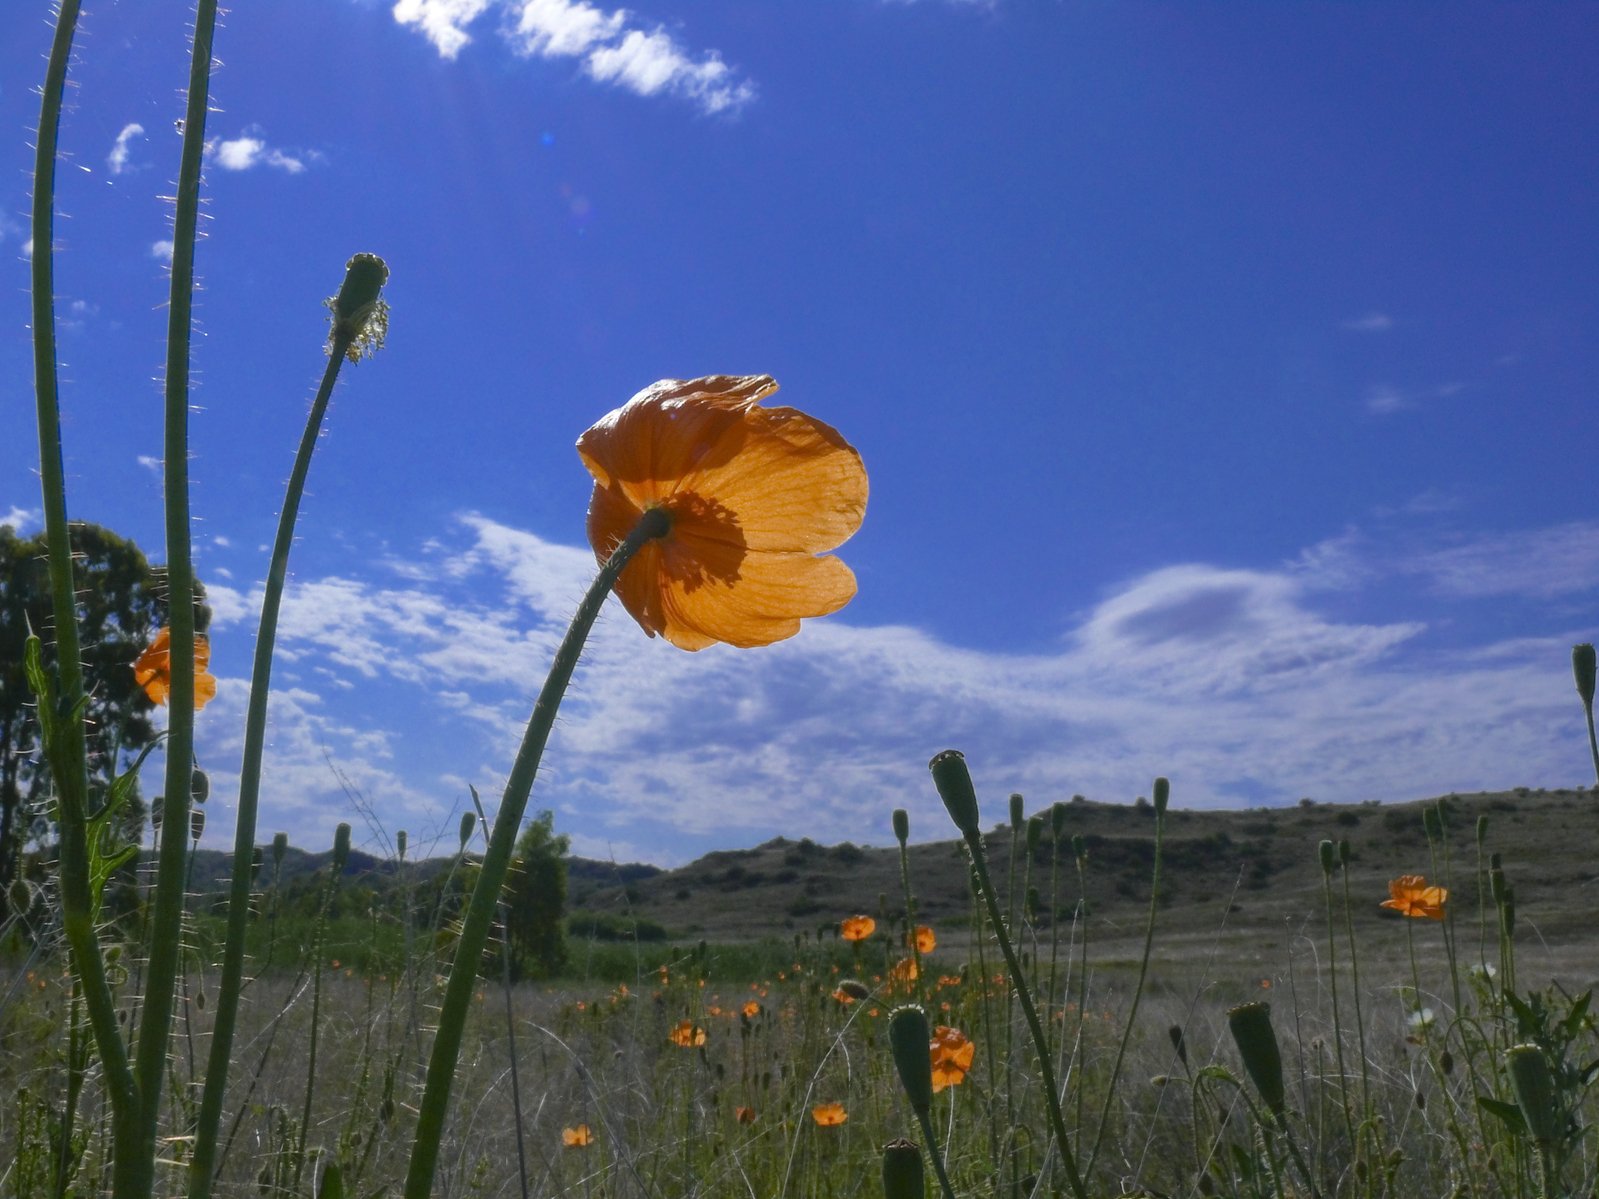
1225	375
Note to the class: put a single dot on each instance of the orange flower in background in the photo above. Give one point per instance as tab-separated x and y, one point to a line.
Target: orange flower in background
952	1052
1409	895
904	971
744	1115
752	1009
923	939
843	996
755	495
687	1034
829	1115
857	928
577	1138
153	670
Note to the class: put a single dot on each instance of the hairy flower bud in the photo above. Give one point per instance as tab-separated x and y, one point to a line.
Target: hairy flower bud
954	783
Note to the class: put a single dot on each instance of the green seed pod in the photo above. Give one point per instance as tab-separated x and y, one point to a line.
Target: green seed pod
954	783
280	846
910	1039
1035	834
1346	853
902	828
196	823
360	317
1057	820
200	786
904	1176
1162	795
1017	812
341	848
1250	1024
1328	853
855	989
1535	1092
1497	885
332	1183
1446	1062
1482	831
399	844
1582	669
468	823
19	896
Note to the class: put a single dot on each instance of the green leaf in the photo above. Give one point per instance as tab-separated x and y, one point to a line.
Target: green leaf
1508	1112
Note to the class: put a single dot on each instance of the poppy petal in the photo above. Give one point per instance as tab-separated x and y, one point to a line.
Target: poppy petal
774	592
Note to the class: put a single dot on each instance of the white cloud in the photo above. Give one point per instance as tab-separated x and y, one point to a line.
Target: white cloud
1385	399
27	248
117	160
1237	683
20	519
162	250
1371	322
151	463
613	47
242	153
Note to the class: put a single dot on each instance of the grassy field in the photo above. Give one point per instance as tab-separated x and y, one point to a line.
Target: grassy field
709	1063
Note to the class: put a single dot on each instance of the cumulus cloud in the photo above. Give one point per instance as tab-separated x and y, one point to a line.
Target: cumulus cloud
1243	685
610	47
117	160
20	519
162	250
247	151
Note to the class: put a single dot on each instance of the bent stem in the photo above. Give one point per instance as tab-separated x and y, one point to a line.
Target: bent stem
203	1164
655	523
63	712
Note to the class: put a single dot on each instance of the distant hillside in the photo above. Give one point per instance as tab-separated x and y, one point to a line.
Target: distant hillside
1249	872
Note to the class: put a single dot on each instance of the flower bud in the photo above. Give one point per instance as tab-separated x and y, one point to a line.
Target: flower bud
1346	852
468	823
1162	795
1035	834
954	783
341	848
1057	820
854	988
904	1176
902	833
1018	811
1250	1024
280	845
1482	831
1582	669
1535	1092
1175	1035
1329	856
399	844
360	317
909	1036
200	786
196	823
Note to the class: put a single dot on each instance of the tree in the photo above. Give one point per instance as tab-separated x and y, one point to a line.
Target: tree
535	901
121	605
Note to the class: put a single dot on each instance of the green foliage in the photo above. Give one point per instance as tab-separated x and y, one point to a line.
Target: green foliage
535	901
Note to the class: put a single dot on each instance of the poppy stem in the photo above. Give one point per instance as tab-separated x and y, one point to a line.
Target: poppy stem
655	523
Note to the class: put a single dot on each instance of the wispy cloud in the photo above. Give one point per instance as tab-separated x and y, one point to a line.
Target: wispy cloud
1240	684
247	151
1385	399
1371	322
21	520
117	160
1543	563
162	249
611	47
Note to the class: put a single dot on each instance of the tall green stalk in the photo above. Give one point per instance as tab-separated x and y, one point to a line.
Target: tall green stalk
354	307
954	783
61	714
155	1025
656	522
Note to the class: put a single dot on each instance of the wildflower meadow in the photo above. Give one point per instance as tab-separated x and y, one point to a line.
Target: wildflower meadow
154	1043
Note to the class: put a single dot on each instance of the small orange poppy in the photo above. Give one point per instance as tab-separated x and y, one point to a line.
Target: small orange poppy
829	1115
952	1052
923	939
857	928
904	971
577	1138
752	1009
687	1034
744	1115
1409	895
756	496
843	996
153	670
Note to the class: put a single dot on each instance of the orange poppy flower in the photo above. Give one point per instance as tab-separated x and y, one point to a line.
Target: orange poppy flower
952	1052
904	971
752	1009
687	1034
923	939
857	928
829	1115
577	1138
744	1115
153	670
1409	895
843	996
755	495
